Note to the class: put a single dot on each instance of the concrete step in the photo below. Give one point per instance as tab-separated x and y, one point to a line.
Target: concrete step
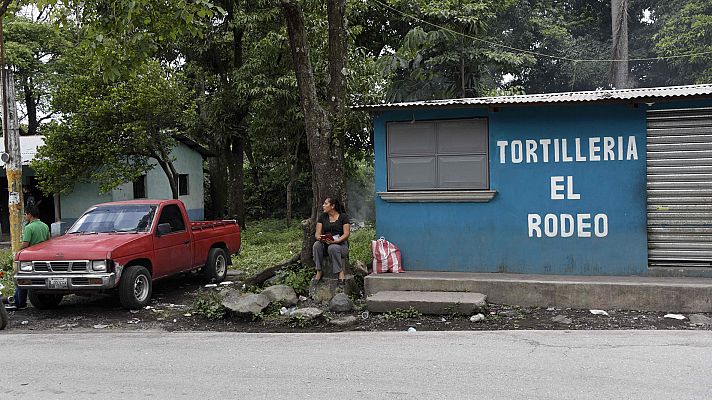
427	302
601	292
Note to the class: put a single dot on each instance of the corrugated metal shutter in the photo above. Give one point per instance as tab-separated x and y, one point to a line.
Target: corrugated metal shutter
679	173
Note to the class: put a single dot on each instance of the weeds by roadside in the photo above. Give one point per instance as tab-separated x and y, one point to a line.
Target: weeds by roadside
402	313
6	261
209	304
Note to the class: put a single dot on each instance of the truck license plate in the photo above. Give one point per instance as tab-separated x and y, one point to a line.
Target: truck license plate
58	283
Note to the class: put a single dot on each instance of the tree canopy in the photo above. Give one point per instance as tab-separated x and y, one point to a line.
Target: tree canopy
109	84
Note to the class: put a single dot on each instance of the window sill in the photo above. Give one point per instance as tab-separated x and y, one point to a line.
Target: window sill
460	196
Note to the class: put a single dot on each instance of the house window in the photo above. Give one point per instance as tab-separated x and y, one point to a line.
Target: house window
183	185
445	155
139	187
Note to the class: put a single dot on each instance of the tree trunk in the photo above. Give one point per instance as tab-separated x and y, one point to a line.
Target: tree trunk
31	106
619	26
218	184
169	170
292	166
237	179
325	145
254	171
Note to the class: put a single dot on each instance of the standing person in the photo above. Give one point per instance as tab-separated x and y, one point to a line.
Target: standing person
28	196
35	231
332	232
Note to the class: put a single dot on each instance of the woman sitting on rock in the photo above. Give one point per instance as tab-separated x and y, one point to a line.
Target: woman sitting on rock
332	233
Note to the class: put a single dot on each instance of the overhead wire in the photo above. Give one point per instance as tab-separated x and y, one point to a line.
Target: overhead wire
531	52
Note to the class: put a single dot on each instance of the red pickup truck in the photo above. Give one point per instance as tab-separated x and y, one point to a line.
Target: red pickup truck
125	246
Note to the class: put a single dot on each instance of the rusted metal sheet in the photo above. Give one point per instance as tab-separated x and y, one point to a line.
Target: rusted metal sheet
679	187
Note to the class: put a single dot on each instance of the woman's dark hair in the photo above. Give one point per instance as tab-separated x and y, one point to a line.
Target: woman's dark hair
336	203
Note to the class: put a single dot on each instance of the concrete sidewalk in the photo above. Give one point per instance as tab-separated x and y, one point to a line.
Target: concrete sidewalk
603	292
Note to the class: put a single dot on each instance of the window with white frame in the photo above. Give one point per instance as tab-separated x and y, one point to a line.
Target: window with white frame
438	155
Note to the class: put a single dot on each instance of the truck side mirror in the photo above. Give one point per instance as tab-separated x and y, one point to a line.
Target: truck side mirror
163	229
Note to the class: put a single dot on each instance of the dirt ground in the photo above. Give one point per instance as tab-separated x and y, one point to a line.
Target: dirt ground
171	310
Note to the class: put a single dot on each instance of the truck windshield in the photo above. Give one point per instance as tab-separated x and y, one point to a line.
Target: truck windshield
115	218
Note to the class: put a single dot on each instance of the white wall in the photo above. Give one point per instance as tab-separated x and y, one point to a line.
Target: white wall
187	161
83	196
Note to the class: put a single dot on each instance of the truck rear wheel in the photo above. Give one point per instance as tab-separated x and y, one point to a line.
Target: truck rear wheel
215	269
135	287
44	301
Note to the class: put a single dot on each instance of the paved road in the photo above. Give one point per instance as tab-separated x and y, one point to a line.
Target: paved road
397	365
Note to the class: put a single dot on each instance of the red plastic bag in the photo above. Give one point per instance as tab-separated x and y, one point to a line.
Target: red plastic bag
386	257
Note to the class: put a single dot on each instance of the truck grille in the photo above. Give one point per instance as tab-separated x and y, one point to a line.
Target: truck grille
61	266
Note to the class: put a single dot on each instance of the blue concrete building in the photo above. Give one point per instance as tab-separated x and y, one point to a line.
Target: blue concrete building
614	182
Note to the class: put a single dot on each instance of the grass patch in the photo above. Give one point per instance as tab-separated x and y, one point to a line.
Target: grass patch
268	242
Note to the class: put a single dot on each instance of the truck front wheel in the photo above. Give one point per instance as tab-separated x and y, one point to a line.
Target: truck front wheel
135	287
44	301
3	317
215	269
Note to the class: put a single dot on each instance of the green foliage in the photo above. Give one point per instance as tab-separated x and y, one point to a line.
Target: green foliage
209	304
360	244
687	28
266	243
6	261
121	35
401	313
6	268
272	311
110	131
299	278
298	321
451	57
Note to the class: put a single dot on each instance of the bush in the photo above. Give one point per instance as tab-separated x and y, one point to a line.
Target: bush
299	278
6	261
360	244
209	305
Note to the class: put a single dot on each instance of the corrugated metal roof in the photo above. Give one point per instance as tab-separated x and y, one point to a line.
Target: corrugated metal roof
564	97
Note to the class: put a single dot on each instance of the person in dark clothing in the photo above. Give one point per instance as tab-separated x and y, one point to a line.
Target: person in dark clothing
332	233
28	196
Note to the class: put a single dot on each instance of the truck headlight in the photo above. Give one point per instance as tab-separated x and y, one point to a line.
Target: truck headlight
98	266
24	266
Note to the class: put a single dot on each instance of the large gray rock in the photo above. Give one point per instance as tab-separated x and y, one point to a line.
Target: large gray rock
341	303
701	320
282	294
307	313
344	321
323	291
359	268
247	304
562	319
231	297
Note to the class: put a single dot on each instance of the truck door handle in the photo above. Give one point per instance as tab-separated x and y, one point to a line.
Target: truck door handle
186	241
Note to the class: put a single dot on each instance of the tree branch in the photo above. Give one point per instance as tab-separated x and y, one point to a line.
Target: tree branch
3	7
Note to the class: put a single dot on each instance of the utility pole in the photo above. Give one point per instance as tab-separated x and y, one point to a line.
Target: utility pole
11	136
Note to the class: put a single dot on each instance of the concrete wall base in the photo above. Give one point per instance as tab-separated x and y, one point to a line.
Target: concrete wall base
599	292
